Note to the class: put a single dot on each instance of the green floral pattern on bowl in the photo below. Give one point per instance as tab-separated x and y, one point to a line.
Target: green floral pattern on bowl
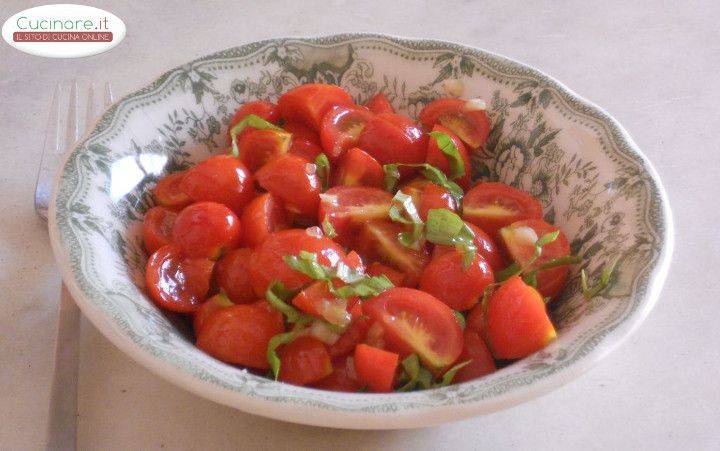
592	180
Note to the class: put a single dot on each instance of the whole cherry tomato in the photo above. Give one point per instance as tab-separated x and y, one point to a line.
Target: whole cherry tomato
437	158
157	228
379	104
341	127
447	278
466	119
293	180
305	142
206	229
308	103
232	275
304	361
223	179
357	167
392	138
492	206
208	308
263	216
168	192
175	282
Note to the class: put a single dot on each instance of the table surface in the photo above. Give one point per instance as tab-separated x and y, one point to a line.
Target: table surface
653	65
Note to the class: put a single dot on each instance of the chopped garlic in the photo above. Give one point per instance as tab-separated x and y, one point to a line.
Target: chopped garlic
475	104
322	332
314	231
525	235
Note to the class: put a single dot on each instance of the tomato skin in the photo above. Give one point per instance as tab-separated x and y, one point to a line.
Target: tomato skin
293	180
472	126
481	360
222	179
357	167
415	321
232	275
492	206
208	308
304	361
257	147
240	334
437	158
206	229
157	228
261	108
378	269
308	103
177	283
446	278
354	335
392	138
168	192
342	379
375	368
267	264
348	207
516	321
264	215
379	104
305	142
486	247
340	128
428	196
475	319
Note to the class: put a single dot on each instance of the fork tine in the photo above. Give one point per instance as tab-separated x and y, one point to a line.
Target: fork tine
108	94
51	147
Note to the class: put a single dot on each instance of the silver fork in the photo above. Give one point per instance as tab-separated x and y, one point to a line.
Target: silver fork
62	419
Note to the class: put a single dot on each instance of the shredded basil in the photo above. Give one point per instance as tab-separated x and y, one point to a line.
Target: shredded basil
253	121
448	147
447	228
323	170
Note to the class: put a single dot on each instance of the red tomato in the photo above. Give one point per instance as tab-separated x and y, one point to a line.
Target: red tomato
318	301
375	368
428	196
240	334
157	228
208	308
305	142
175	282
357	167
469	123
415	321
379	104
263	216
392	138
261	108
267	265
308	103
293	180
485	247
354	261
481	361
492	206
168	192
341	127
518	240
304	361
232	275
475	319
517	323
348	207
222	179
342	379
354	335
206	229
257	147
437	158
446	278
378	269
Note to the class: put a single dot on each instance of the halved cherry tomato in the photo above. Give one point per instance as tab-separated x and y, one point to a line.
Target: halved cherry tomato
379	104
348	207
206	229
357	167
469	123
175	282
318	301
519	240
354	335
294	181
257	147
341	126
232	275
485	247
305	142
304	361
492	206
476	351
446	278
157	228
392	138
516	322
208	308
378	269
428	196
168	192
437	158
266	110
240	334
268	266
415	321
308	103
263	216
223	179
375	368
343	378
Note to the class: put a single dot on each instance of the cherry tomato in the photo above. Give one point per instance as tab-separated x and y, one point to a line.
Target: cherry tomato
467	121
428	196
308	103
157	228
354	335
379	104
232	275
392	138
293	180
175	282
206	229
519	239
476	351
342	378
378	269
437	158
446	278
268	266
485	247
375	368
415	321
223	179
475	319
257	147
240	334
305	142
354	261
357	167
261	108
317	300
492	206
348	207
208	308
341	127
168	192
516	322
304	361
263	216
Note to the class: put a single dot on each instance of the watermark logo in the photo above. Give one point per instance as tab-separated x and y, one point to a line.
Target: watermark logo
63	31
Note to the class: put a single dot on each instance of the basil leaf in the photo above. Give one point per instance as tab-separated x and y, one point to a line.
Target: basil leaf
601	285
560	261
323	170
450	374
251	120
424	379
403	210
448	147
460	319
447	228
392	177
328	228
365	288
274	343
411	368
430	172
348	274
277	295
531	279
306	263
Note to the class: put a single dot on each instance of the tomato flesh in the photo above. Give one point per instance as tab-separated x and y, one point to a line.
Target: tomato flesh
318	301
348	207
378	269
341	128
293	180
429	196
304	361
157	228
447	278
222	179
469	124
375	368
206	229
232	275
257	147
263	216
476	351
308	103
175	282
492	206
379	104
354	335
168	191
437	158
357	167
392	138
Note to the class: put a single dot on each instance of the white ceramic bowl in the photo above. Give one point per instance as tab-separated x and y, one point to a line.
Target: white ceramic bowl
592	179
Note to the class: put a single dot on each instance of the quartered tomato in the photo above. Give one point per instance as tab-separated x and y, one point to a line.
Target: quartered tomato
437	158
492	206
354	335
157	228
257	147
305	142
519	239
208	308
357	167
466	118
375	368
206	229
449	280
293	180
378	269
343	378
341	127
348	207
317	300
304	361
232	276
486	247
417	322
168	191
392	138
175	282
223	179
266	110
428	196
263	216
308	103
379	104
476	351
